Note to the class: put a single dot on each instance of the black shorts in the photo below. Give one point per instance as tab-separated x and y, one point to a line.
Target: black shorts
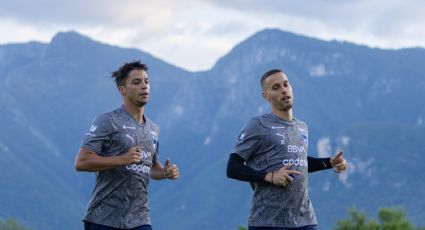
93	226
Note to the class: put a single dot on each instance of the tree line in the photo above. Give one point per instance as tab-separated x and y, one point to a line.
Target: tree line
388	219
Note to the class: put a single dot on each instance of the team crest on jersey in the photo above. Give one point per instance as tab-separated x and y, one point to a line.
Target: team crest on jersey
303	133
154	139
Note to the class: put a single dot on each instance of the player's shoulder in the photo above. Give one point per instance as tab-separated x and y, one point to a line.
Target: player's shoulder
267	119
112	115
300	123
111	118
263	117
259	122
255	120
152	124
105	116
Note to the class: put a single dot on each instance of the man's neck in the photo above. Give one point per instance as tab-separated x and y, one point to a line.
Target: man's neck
135	111
285	115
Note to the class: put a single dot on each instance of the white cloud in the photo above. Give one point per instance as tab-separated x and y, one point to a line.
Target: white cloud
344	141
326	186
194	34
207	141
4	148
178	110
14	32
419	121
324	147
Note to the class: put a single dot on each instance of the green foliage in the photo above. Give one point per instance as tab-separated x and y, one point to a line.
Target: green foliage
357	221
11	224
389	219
392	219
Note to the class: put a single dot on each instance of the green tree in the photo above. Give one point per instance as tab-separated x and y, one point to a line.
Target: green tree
389	219
392	219
357	221
11	224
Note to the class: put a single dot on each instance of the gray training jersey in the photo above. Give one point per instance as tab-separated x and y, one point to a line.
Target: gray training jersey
268	143
119	197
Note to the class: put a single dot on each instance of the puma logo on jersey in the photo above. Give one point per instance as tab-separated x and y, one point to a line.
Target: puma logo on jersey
129	137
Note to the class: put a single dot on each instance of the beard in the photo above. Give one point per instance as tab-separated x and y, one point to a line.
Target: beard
286	108
141	103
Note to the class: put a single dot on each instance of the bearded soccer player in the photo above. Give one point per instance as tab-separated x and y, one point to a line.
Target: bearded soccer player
271	153
121	146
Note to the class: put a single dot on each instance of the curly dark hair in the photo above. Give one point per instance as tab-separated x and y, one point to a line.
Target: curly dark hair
121	74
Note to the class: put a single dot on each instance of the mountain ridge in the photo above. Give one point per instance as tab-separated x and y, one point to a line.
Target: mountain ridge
52	93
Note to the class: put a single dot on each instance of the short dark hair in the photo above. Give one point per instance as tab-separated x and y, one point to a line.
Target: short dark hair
267	74
121	74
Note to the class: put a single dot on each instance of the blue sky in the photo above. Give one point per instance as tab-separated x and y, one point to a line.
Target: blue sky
193	34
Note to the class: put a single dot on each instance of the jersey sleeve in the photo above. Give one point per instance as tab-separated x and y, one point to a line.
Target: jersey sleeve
156	155
249	140
155	143
99	132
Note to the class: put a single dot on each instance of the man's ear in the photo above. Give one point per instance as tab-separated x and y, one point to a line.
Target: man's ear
266	96
122	90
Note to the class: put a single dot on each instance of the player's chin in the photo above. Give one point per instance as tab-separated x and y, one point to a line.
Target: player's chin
142	103
286	107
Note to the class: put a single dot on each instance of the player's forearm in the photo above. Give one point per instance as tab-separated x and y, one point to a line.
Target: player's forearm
317	164
237	170
158	173
91	162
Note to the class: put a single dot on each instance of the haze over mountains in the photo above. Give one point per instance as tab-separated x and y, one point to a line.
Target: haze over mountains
368	102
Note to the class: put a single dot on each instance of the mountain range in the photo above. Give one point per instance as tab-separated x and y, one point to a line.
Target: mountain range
364	101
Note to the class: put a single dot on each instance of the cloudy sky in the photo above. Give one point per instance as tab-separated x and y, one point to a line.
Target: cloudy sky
193	34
